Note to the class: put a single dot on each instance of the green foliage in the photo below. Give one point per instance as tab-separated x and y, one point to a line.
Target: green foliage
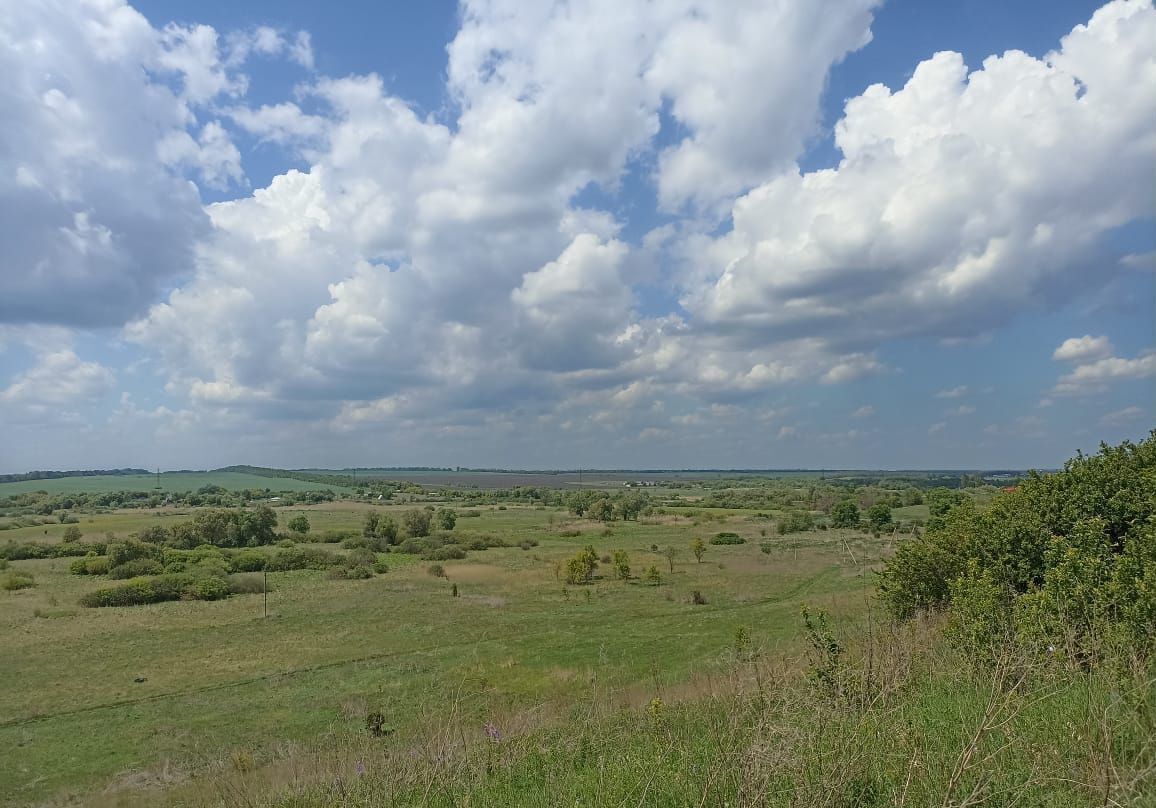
247	561
727	538
1065	562
416	522
698	548
621	565
845	514
71	533
246	584
13	580
879	517
580	567
446	518
158	588
302	558
135	568
299	524
122	552
796	522
89	565
652	576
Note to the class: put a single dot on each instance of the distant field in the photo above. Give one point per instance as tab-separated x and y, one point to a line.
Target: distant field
170	481
96	699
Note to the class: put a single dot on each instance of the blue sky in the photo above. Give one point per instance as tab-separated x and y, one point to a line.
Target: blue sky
679	234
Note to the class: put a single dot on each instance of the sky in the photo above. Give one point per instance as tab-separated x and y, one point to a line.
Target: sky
584	234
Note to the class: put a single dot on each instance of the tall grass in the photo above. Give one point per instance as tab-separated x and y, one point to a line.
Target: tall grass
891	717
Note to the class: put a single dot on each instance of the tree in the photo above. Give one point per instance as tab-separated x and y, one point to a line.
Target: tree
698	547
580	568
653	576
299	524
670	554
879	516
621	565
72	533
602	509
845	514
446	518
371	524
416	523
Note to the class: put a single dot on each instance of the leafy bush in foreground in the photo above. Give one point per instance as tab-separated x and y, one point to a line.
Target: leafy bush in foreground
1066	562
135	569
302	558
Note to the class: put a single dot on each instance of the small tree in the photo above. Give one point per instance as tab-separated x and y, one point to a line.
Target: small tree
72	533
879	516
845	514
670	554
371	524
446	518
299	524
416	522
621	565
653	576
698	547
580	568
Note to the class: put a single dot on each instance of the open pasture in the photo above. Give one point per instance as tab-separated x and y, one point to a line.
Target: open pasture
118	699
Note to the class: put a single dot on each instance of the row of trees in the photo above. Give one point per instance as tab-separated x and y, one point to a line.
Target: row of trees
416	523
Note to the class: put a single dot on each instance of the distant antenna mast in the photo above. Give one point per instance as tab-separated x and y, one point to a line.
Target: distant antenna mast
158	486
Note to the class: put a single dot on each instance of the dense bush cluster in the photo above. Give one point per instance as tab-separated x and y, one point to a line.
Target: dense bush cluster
727	538
157	588
1065	563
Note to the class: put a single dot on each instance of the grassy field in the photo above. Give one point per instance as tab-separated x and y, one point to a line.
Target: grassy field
217	680
174	481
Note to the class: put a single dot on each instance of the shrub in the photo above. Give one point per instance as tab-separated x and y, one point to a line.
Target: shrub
845	514
71	533
247	561
122	552
1067	560
414	547
135	568
13	581
652	576
471	514
580	568
727	538
246	584
380	567
446	553
766	547
416	522
89	565
526	544
301	558
436	570
697	599
570	534
299	524
796	522
350	572
156	589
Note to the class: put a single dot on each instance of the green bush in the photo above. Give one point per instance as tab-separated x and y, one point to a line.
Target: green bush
1065	563
302	558
246	584
135	569
350	572
247	561
446	553
13	580
156	589
89	565
122	552
727	538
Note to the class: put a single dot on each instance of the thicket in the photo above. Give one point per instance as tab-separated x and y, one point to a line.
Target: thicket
1064	565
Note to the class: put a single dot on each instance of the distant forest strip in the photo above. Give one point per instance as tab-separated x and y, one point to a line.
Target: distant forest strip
57	475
